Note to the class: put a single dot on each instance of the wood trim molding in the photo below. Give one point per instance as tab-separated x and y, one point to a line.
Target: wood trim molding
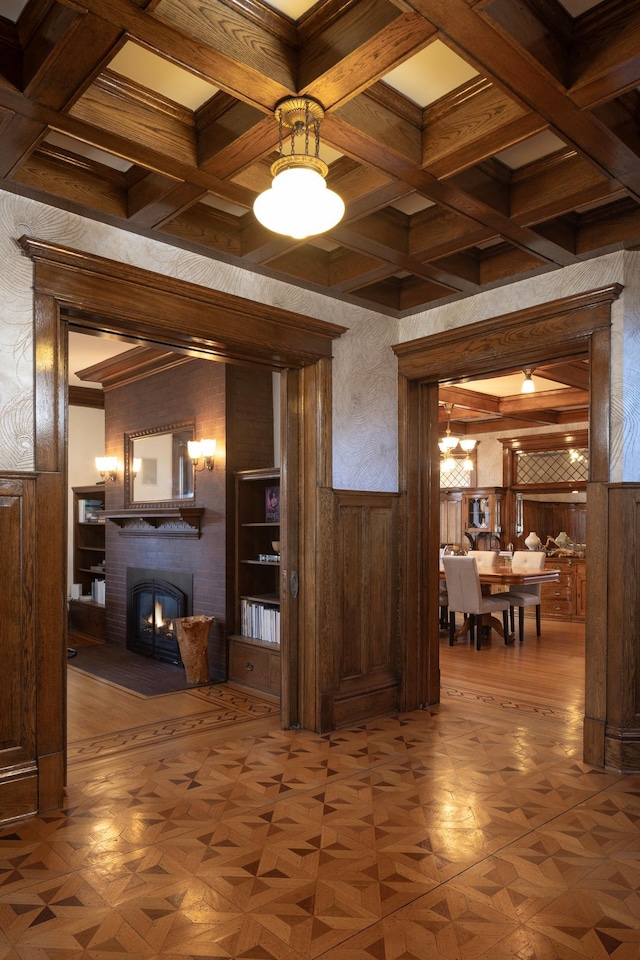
85	397
558	328
199	320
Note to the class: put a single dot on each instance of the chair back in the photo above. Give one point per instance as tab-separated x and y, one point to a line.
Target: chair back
486	559
463	584
528	561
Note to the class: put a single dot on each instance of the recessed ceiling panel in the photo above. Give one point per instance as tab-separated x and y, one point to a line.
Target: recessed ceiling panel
430	74
86	150
165	78
542	145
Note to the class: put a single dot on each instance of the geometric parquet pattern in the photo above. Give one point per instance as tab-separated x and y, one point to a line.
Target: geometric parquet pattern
463	832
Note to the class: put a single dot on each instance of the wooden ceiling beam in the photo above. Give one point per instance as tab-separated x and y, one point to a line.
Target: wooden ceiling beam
535	402
464	400
607	54
344	133
64	53
248	56
126	109
473	122
154	200
233	138
351	51
20	136
501	53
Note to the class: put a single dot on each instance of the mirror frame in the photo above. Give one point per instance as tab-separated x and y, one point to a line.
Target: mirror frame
129	439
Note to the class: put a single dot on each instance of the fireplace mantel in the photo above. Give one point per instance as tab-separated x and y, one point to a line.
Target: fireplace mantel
157	521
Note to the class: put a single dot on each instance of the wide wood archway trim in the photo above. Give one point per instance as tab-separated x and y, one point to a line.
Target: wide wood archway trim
120	299
554	330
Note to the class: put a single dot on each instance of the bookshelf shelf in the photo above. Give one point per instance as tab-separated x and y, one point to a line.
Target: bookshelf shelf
254	647
87	615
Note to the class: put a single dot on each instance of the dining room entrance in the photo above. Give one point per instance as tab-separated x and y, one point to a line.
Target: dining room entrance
559	330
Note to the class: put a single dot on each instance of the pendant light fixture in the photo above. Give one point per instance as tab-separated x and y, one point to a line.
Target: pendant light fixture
528	386
448	442
299	204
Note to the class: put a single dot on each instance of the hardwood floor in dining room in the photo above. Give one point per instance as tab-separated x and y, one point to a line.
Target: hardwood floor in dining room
467	831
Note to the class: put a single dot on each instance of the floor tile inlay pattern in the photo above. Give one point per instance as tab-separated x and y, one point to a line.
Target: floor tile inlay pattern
438	835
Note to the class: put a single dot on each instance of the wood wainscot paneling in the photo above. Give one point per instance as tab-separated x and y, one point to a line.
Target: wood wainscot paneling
622	731
362	640
18	759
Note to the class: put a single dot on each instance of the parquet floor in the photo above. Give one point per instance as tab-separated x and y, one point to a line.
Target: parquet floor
470	831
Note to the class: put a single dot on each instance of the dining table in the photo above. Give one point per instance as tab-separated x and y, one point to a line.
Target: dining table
503	576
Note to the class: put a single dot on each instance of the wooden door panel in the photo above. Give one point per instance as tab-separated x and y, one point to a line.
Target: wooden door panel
18	766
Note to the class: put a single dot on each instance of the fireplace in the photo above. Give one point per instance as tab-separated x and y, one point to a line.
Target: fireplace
155	598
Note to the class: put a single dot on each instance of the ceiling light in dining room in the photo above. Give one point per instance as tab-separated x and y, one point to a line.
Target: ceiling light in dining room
299	204
528	386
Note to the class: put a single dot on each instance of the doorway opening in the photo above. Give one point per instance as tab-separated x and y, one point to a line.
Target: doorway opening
486	420
562	330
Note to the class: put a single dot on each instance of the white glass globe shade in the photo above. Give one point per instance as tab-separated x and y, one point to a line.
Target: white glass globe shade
299	204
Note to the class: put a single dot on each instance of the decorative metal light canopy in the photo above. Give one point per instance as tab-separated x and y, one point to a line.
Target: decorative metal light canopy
299	204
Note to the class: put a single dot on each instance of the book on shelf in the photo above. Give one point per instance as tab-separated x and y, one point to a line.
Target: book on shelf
260	620
90	511
98	594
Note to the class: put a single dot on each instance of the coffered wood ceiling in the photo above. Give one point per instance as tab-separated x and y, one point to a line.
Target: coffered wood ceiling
475	142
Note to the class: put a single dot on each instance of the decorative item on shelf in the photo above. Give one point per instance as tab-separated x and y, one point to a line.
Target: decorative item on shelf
528	386
454	550
272	504
276	546
533	541
299	203
564	541
202	448
107	467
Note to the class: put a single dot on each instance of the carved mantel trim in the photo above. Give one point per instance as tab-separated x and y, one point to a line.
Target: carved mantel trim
161	522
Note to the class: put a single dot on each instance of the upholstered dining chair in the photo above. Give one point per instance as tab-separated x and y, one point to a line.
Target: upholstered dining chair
465	596
486	559
526	595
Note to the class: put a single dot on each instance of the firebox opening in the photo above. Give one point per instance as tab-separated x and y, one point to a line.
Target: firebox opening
155	598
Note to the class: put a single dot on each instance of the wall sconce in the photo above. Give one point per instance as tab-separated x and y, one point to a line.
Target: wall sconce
202	448
136	466
107	467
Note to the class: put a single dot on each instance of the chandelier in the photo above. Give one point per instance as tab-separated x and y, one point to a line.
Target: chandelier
448	444
299	204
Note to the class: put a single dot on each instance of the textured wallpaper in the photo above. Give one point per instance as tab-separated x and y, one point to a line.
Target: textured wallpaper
365	371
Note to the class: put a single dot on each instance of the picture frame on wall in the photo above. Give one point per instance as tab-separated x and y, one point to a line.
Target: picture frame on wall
272	504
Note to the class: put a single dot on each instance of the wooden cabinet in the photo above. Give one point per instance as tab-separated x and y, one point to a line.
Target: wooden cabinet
87	616
450	517
565	599
482	516
254	645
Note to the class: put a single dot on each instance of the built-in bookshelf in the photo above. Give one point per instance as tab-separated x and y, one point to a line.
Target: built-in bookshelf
87	591
254	645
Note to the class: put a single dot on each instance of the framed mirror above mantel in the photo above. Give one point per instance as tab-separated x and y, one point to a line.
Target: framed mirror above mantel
545	476
158	472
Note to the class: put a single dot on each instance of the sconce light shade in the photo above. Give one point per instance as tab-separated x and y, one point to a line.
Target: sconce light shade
107	467
136	466
299	203
202	448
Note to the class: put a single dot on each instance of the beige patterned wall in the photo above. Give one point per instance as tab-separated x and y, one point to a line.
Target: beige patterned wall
365	433
365	371
622	267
